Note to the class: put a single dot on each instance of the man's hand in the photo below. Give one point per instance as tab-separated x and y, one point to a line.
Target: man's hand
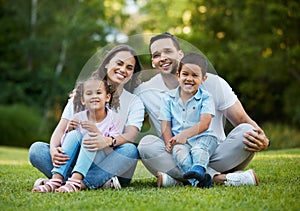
256	141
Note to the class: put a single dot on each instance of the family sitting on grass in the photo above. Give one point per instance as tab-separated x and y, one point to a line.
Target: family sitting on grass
93	147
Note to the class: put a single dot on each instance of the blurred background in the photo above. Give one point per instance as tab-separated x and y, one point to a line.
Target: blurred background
253	44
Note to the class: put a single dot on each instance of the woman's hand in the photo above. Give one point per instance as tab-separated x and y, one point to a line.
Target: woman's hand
95	142
90	126
73	124
256	141
58	157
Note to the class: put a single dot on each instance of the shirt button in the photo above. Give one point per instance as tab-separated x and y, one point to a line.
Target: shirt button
183	109
194	108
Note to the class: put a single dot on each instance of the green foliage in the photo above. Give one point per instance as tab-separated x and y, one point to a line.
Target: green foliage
253	44
282	136
278	173
21	126
42	51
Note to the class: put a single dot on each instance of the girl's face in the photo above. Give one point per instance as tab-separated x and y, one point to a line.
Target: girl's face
190	78
120	68
94	95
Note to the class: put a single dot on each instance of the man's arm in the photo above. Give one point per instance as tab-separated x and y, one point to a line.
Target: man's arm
255	140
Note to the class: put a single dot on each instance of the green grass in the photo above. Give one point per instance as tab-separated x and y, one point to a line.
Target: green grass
279	189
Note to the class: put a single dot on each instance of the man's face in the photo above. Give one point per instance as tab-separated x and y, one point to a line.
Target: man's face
164	55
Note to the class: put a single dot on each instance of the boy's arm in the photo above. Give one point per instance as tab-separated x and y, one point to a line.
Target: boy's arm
198	128
166	134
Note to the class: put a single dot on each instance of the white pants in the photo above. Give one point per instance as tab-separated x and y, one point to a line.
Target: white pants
229	155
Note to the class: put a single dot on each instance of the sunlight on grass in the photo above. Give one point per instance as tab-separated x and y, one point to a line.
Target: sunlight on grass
13	155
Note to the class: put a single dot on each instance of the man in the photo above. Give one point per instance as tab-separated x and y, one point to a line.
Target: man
233	153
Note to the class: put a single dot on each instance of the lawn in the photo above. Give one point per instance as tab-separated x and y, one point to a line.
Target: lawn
279	189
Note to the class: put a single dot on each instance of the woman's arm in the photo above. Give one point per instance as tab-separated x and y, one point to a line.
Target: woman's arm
129	135
58	158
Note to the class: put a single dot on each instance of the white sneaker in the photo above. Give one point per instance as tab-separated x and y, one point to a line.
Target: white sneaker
112	183
242	178
164	180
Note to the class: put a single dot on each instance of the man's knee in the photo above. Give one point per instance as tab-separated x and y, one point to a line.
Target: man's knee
244	128
148	146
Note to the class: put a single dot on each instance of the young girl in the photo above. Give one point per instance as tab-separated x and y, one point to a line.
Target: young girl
92	94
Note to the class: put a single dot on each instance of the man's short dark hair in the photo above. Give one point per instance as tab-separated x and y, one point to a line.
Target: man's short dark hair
165	35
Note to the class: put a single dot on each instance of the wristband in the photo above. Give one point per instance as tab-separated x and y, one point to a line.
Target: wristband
114	141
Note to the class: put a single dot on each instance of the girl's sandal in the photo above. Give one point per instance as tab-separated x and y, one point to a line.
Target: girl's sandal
50	186
72	185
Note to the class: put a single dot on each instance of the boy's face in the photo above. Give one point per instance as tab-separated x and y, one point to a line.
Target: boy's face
94	95
165	56
190	78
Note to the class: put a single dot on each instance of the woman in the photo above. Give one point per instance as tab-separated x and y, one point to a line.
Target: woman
120	67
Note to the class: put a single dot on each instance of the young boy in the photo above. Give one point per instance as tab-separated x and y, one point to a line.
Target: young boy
186	115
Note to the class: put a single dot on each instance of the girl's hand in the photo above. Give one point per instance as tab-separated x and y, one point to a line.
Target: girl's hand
256	141
90	126
95	142
73	124
58	157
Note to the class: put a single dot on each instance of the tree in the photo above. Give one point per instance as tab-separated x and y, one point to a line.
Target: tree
253	44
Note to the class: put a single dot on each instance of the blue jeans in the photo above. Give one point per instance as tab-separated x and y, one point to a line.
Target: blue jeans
120	162
85	158
196	152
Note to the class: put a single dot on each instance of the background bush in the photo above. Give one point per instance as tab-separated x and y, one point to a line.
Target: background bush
282	136
21	126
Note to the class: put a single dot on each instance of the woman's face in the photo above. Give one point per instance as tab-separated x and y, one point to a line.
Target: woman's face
120	68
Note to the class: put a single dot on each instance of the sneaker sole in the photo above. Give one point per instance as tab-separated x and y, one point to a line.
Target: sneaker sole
40	181
255	177
116	183
159	179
